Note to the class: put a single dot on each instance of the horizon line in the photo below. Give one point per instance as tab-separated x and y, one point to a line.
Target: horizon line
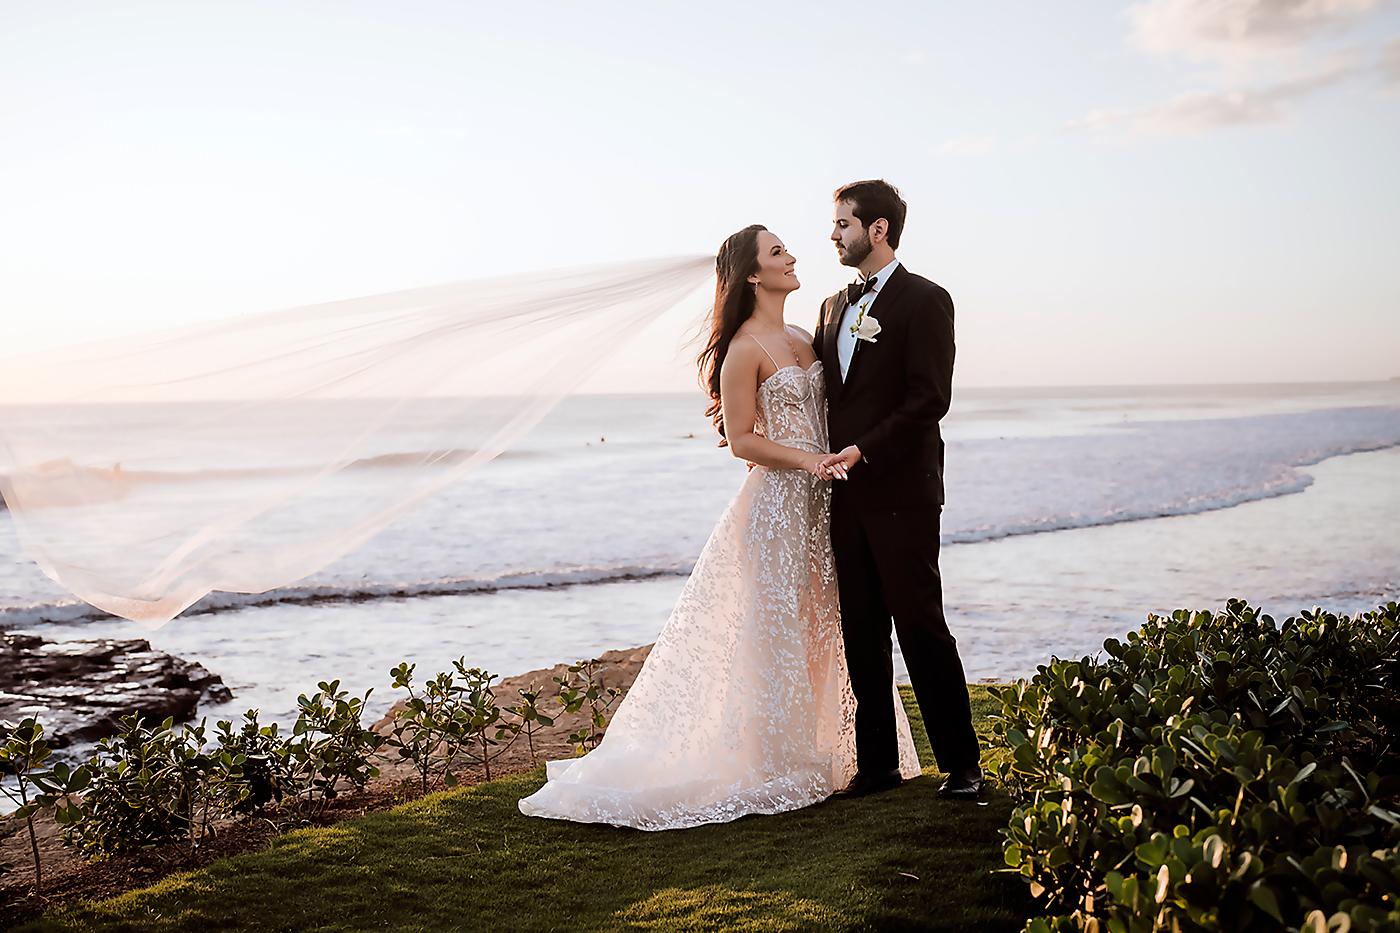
1314	384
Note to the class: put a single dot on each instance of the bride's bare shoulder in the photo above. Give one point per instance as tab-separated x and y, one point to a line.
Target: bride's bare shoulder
744	353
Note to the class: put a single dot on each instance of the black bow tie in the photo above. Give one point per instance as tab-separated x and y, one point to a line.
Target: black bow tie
855	290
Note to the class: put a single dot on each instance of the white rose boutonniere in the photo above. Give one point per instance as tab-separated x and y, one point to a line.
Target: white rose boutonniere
865	328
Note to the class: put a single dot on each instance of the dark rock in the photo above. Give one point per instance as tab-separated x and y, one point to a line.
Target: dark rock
80	690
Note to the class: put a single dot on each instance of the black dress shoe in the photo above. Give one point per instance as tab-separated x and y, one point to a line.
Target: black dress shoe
871	783
963	784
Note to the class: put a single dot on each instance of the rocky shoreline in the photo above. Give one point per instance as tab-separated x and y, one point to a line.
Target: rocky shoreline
80	690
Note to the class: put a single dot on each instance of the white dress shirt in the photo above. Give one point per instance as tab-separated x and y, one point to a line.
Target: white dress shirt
845	340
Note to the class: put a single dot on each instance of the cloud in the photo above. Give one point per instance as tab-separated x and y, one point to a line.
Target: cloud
1199	112
1228	29
1246	39
1390	62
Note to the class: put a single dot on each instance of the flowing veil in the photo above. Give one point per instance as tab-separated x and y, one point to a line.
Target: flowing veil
145	472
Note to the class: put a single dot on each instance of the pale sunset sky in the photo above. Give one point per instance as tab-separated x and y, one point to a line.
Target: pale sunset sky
1166	191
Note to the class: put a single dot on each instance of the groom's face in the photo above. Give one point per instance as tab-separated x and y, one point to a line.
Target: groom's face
849	234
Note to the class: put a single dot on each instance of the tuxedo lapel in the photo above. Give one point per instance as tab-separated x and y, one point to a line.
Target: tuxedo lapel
881	309
831	361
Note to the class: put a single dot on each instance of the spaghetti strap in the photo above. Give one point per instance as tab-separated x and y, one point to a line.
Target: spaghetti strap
765	350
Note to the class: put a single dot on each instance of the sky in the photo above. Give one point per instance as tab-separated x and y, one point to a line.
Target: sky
1168	191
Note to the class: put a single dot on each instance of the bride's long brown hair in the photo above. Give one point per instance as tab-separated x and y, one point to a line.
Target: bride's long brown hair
734	304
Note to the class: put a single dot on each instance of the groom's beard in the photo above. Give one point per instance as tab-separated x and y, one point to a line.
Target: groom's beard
855	254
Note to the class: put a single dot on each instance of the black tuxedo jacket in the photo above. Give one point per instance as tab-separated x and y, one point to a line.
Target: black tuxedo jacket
895	392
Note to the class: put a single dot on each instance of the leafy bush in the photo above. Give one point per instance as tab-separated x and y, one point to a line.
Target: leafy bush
330	743
150	785
267	773
482	722
1214	772
454	719
147	786
530	714
427	730
581	687
23	753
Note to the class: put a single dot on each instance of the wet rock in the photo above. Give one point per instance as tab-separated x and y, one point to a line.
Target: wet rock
80	690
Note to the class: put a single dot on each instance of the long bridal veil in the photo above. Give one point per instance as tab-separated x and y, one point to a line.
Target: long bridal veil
242	455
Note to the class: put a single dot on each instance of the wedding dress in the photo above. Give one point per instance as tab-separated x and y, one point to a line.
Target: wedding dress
744	704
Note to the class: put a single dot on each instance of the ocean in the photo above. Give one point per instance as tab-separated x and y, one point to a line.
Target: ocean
1071	513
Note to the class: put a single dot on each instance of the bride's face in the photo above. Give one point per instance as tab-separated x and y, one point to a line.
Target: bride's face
776	266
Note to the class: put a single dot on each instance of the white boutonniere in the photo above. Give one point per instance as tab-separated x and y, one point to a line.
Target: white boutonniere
865	328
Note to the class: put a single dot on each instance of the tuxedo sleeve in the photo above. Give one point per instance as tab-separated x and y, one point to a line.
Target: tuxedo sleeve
928	379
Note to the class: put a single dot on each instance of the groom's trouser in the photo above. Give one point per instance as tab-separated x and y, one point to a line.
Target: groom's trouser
887	566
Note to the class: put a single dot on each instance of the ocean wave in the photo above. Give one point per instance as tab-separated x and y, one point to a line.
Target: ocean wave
392	459
1118	517
78	612
113	483
1288	481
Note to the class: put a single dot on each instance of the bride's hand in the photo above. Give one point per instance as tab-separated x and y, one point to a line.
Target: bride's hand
816	465
839	464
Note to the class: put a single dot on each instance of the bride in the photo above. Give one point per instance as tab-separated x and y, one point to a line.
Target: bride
744	704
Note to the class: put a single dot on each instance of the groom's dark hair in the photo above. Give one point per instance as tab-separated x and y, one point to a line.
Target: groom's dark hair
874	199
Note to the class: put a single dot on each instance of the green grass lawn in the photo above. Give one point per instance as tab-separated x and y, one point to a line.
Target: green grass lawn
467	859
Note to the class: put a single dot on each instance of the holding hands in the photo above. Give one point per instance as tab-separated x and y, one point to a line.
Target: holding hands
838	465
829	466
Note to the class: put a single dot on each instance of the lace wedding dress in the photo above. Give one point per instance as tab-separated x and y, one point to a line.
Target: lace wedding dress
744	704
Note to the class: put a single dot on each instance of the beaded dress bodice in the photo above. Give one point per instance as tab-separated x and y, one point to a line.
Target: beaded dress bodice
792	407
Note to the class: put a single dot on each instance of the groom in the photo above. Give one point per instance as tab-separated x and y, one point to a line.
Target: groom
886	344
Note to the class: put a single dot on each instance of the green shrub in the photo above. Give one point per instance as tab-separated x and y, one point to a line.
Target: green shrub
460	716
457	716
267	773
581	687
149	785
426	730
530	715
481	716
23	753
329	744
1214	772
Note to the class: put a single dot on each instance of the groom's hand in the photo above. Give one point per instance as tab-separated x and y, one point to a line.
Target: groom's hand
839	464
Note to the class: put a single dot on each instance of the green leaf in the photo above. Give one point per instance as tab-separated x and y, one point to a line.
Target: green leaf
1263	897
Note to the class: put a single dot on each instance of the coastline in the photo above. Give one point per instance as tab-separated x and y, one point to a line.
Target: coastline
78	613
66	871
1011	603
